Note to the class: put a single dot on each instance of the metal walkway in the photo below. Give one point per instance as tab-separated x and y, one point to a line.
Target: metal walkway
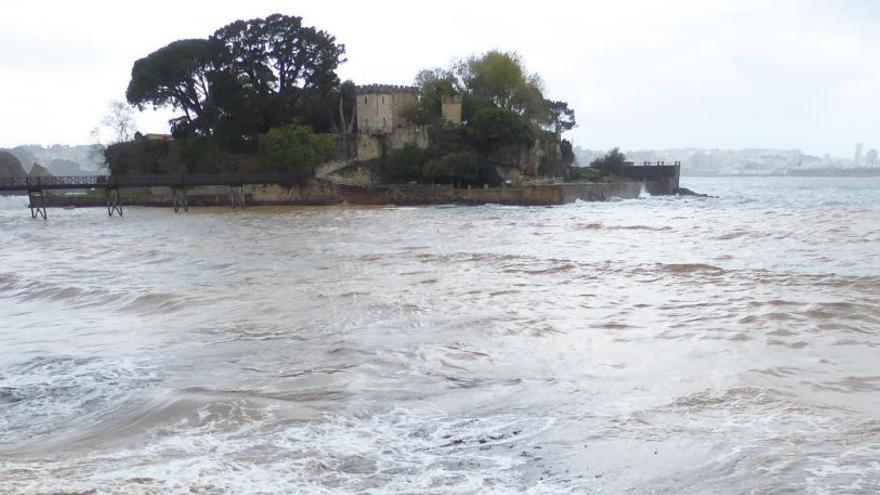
179	184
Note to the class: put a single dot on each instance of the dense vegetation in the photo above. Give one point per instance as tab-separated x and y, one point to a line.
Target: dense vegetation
493	81
257	94
245	79
503	107
293	150
450	160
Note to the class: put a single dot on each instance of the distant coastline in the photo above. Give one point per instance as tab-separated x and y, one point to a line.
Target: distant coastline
823	172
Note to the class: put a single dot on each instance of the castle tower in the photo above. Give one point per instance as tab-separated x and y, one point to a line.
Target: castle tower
380	107
450	107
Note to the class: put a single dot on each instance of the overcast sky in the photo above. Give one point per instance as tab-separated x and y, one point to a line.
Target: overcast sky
639	73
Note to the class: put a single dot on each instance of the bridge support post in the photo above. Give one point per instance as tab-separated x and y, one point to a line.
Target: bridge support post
36	203
113	205
179	199
236	196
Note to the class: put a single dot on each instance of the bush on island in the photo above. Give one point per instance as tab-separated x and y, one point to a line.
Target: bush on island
612	163
454	168
494	127
403	165
294	149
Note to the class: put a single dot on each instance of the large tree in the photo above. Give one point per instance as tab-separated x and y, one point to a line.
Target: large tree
560	116
276	61
502	79
248	77
433	85
178	75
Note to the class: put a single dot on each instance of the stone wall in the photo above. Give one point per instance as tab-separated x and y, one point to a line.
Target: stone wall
409	135
450	108
317	192
374	113
554	194
658	179
313	192
371	146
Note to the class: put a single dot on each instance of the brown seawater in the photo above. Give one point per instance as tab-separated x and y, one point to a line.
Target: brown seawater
658	345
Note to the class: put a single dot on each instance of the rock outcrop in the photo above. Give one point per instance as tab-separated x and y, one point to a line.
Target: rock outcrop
10	166
683	191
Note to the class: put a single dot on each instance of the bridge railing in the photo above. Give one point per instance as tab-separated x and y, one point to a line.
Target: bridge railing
61	182
111	182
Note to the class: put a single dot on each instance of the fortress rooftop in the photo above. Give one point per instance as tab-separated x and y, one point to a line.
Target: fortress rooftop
385	88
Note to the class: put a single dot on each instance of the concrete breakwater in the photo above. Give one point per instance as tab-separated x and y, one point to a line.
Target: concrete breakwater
539	195
326	193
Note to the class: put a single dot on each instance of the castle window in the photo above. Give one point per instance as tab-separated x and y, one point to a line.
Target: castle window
383	100
365	99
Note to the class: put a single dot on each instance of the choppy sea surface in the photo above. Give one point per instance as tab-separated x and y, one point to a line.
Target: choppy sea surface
657	345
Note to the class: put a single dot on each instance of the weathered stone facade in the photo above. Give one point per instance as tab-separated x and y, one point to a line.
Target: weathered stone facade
382	122
450	108
417	135
369	146
380	107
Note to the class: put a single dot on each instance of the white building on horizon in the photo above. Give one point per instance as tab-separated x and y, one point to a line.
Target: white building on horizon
871	158
857	158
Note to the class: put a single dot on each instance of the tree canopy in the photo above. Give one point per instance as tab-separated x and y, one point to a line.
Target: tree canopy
249	76
177	75
502	79
493	80
295	149
612	163
433	85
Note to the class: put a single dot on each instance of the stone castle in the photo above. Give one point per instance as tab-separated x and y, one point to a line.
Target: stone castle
381	114
382	123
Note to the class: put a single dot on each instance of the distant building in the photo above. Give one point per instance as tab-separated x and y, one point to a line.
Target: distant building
857	158
871	158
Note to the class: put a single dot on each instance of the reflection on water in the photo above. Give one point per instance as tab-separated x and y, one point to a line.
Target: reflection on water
666	345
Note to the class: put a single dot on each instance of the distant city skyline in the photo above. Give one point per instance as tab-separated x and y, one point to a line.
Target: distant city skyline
640	74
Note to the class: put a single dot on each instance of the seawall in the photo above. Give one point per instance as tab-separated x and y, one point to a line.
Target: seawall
552	194
325	193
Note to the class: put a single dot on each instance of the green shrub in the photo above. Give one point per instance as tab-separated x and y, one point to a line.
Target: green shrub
403	165
493	127
295	149
612	163
460	168
142	157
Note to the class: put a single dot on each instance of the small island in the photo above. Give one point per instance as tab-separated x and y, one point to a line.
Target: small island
262	98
